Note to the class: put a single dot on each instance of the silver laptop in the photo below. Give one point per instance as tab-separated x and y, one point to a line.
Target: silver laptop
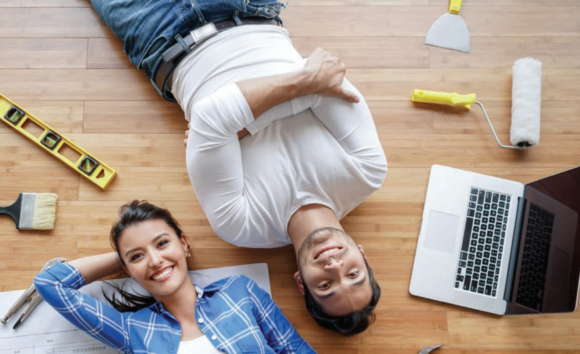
500	246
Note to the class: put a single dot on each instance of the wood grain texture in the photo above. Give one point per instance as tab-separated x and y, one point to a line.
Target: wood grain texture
60	62
40	53
51	22
414	21
133	117
502	52
45	3
343	3
444	3
107	53
77	85
370	52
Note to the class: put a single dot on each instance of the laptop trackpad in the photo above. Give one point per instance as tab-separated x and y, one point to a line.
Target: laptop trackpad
441	231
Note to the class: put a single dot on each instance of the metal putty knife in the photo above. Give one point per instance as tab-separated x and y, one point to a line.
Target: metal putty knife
450	31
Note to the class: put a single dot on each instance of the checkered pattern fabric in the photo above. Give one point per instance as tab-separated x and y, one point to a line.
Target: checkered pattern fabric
234	313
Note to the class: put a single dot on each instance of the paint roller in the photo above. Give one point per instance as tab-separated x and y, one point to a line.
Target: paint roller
526	100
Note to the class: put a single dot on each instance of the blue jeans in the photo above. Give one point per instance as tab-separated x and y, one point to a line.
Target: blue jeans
149	27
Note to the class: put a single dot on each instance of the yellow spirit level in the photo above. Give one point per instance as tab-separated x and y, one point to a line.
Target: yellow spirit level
55	143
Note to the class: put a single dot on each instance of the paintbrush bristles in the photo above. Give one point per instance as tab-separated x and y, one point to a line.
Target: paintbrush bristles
44	211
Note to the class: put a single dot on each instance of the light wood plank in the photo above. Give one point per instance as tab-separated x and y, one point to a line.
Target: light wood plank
415	21
443	3
43	53
358	21
45	3
404	329
143	183
33	246
369	3
51	22
547	332
77	85
107	53
38	179
134	117
370	52
503	3
498	52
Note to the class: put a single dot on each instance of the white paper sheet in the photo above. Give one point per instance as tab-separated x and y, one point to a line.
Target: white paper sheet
46	332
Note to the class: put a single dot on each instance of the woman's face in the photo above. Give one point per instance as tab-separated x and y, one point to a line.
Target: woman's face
155	256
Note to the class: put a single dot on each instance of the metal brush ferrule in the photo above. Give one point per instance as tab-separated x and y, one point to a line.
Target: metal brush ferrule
27	211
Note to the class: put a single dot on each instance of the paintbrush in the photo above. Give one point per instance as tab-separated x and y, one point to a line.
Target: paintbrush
33	211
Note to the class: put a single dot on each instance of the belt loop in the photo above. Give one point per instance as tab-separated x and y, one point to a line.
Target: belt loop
181	42
237	18
197	9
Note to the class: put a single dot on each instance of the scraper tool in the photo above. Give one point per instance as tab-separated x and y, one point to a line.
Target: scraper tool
450	31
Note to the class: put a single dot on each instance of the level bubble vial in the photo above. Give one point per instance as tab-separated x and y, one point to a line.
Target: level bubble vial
14	115
88	165
50	139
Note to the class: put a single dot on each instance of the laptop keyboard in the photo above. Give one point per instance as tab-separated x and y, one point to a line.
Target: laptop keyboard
535	258
483	242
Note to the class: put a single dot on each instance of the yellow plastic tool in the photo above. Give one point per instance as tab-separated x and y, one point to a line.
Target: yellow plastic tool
53	142
456	100
449	99
455	6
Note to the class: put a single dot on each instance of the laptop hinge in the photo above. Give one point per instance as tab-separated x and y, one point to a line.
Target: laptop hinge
511	273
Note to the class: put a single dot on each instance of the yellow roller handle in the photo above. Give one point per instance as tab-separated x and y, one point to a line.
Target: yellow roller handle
455	6
449	99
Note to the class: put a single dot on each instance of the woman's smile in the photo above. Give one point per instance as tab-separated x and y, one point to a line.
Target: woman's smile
163	274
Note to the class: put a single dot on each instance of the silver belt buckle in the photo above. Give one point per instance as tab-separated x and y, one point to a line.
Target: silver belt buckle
204	32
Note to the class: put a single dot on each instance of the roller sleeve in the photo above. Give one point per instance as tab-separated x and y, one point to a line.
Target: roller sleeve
526	101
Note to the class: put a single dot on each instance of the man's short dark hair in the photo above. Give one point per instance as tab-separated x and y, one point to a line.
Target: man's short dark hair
351	324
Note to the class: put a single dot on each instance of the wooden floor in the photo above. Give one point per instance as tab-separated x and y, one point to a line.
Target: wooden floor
59	61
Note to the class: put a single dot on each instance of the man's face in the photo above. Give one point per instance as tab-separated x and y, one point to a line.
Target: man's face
333	269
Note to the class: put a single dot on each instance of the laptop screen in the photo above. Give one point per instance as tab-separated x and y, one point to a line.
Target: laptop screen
548	259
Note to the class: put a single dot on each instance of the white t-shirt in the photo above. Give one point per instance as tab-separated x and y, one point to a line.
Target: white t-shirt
197	345
325	150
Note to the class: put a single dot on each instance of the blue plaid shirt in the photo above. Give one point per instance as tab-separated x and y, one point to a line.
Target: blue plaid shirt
235	314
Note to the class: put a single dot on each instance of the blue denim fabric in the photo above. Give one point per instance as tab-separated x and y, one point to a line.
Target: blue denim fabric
148	27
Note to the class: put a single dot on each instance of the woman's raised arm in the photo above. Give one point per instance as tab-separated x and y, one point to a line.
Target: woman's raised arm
58	286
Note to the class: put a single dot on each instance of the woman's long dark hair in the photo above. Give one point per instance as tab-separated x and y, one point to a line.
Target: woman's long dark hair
131	214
